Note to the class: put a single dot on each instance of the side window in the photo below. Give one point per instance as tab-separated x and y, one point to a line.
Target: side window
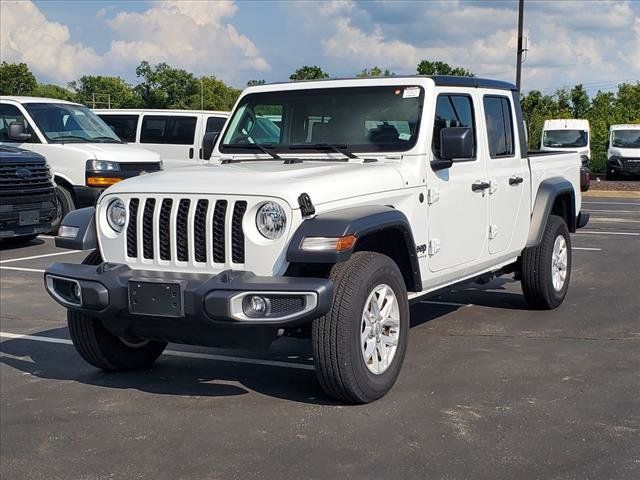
452	111
166	129
124	126
215	124
10	114
497	112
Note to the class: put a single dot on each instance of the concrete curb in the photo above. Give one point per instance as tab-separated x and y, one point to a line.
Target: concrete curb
612	194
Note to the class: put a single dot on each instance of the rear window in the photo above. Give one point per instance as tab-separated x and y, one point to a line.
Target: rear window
215	124
497	112
124	126
166	129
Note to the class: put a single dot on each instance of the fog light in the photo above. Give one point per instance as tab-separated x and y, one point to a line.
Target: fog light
256	306
66	231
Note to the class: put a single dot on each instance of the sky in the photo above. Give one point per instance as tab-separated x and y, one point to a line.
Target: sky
596	43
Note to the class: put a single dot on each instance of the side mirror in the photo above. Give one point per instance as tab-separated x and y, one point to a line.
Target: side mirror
208	141
456	143
16	132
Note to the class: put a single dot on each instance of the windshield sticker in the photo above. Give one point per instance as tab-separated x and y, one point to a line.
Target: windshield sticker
411	92
404	136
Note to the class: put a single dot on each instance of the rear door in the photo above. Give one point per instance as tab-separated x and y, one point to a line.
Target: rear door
507	171
173	136
458	215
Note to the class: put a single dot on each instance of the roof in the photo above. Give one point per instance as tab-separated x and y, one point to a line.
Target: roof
626	126
439	80
158	110
26	99
566	123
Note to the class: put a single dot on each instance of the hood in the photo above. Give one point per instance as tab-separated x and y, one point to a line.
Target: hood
323	181
624	152
117	152
581	150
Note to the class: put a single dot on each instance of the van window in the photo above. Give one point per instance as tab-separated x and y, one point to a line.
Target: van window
173	130
215	124
565	138
10	114
124	126
497	112
452	111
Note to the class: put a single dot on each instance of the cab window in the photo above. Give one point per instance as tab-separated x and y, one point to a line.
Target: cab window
10	114
497	112
452	111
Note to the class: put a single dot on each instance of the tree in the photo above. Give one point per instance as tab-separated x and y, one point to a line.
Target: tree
426	67
163	86
375	72
106	90
579	102
253	83
53	91
16	79
213	94
307	72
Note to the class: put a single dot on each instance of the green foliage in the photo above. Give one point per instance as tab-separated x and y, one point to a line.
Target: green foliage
213	94
164	86
426	67
253	83
53	91
16	79
307	72
579	102
104	91
375	72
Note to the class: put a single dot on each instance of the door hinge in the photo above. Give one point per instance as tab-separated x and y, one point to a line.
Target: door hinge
433	247
493	187
493	232
433	195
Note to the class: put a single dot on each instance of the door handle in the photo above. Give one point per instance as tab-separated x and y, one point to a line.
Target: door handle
516	180
479	186
191	152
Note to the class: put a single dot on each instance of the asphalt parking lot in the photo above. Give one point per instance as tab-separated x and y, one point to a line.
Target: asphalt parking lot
489	389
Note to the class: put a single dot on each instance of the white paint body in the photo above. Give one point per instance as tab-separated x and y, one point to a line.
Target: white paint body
459	219
68	161
568	124
172	155
618	151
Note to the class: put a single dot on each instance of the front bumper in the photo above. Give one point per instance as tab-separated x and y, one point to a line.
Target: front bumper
209	308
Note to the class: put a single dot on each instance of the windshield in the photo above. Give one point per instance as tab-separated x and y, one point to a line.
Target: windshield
366	119
565	138
625	138
63	123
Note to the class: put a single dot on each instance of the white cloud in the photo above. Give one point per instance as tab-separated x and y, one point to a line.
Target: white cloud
27	36
188	34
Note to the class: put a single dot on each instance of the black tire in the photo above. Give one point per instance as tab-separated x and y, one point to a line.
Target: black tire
100	348
537	279
65	199
20	240
339	363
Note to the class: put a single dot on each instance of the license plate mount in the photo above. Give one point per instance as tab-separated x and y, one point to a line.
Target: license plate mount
156	298
30	217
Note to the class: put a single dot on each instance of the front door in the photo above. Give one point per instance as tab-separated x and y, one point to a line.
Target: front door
458	214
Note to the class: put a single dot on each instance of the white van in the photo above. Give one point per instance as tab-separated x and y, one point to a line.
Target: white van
176	135
567	134
623	150
84	154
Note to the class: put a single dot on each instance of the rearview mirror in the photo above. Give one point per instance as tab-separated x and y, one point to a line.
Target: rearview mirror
456	143
208	141
16	132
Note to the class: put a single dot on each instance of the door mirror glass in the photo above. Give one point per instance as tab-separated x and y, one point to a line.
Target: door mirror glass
208	141
456	143
17	132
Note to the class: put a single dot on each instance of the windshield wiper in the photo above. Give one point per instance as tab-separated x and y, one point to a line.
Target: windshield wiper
334	147
62	138
107	139
253	146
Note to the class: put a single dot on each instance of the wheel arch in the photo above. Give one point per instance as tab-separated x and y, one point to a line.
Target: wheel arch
555	196
381	229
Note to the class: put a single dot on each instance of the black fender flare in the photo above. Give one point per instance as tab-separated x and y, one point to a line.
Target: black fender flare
358	221
84	219
548	191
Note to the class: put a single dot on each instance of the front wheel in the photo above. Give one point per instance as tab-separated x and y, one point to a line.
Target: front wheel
359	345
104	350
546	268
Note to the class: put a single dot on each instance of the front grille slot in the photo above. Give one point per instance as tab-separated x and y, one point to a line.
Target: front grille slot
164	229
237	233
200	231
182	234
147	228
37	182
218	229
132	228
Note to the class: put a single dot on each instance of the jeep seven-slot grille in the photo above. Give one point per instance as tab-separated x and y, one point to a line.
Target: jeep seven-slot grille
186	221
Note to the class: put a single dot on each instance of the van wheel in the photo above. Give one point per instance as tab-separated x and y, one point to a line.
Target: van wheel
359	345
546	268
100	348
65	199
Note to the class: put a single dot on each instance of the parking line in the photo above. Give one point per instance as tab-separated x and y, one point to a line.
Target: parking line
612	211
40	256
22	269
595	232
588	249
611	203
448	304
175	353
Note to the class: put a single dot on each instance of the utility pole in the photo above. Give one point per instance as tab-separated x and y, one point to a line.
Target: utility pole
520	50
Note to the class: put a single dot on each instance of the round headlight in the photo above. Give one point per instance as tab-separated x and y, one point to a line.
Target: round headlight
271	220
116	215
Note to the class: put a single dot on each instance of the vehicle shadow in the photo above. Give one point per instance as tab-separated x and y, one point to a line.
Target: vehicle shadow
8	244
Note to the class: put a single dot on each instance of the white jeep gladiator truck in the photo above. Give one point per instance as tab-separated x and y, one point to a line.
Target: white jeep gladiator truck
371	193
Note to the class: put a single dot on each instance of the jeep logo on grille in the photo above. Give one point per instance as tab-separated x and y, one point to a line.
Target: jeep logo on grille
23	173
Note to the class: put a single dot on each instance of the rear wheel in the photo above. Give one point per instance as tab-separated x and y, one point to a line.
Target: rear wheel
359	345
101	348
65	200
546	268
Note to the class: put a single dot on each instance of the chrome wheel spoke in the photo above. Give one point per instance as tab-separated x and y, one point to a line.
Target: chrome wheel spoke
380	329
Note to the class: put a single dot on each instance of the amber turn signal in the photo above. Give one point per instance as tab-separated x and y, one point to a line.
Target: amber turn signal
102	181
